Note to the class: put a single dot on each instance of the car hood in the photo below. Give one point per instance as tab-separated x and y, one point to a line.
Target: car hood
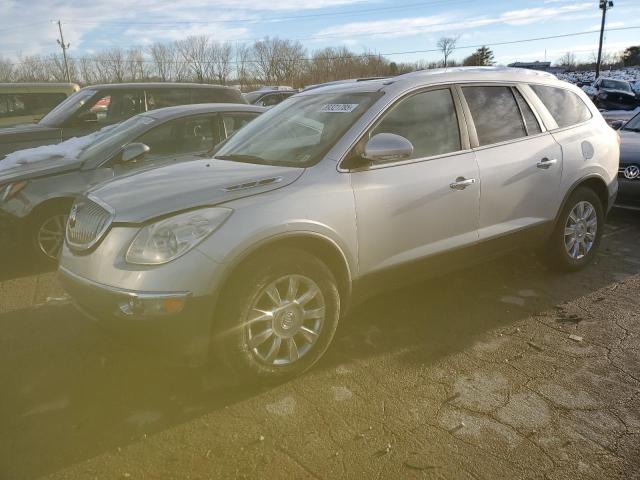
145	195
54	165
629	147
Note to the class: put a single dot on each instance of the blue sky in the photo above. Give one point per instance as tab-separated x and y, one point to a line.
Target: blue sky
386	26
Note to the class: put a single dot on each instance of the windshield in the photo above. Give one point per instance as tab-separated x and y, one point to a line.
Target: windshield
253	96
109	139
67	108
633	124
616	85
299	131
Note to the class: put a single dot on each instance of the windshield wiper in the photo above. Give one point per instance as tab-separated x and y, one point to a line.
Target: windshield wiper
235	157
631	129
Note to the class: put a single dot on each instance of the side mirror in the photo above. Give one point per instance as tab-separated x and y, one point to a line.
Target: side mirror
387	147
134	151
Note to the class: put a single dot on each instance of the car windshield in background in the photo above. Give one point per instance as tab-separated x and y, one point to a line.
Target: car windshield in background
299	131
253	96
67	108
108	140
633	124
616	85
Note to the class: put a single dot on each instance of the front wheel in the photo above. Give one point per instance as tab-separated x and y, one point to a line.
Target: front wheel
576	237
46	231
279	316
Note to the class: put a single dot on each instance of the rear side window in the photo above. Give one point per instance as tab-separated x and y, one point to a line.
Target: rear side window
533	127
217	95
495	114
16	104
564	106
428	120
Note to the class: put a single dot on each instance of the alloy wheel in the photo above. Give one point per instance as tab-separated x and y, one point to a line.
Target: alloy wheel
285	320
50	235
580	230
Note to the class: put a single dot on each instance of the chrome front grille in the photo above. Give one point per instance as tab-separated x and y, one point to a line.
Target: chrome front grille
88	222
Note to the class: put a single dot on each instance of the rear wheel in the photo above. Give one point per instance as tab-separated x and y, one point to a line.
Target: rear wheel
279	317
576	237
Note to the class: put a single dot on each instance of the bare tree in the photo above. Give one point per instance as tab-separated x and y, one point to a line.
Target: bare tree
447	45
195	52
6	70
568	61
220	55
244	66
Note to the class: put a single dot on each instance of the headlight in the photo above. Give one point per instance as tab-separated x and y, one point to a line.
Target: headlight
172	237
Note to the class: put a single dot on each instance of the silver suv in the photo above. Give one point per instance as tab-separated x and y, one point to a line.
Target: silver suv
332	196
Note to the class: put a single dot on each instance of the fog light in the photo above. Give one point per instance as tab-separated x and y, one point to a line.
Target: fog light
151	306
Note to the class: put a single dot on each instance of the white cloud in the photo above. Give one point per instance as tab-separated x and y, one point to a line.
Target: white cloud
84	19
437	23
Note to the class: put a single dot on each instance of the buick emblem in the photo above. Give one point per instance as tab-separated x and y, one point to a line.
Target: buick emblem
73	216
632	172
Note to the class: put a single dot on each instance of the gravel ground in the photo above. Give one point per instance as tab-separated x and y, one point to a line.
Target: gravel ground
501	371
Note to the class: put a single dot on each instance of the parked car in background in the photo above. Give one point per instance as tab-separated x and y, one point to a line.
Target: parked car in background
629	173
38	185
335	195
610	94
269	96
29	102
95	107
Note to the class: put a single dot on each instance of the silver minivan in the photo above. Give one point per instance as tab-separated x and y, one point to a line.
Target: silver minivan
332	196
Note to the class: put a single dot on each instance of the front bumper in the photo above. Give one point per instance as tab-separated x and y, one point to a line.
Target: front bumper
628	192
183	335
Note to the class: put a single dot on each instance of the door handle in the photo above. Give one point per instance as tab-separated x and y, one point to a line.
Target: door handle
461	183
545	163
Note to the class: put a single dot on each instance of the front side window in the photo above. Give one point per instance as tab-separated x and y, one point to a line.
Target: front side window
564	106
180	136
298	132
495	113
428	120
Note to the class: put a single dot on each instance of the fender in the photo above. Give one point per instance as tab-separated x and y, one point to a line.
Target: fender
576	184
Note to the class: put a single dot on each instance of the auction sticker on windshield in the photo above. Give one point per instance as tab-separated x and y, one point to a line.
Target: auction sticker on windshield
339	107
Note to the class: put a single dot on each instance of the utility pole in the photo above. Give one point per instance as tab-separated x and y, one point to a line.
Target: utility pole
64	47
604	5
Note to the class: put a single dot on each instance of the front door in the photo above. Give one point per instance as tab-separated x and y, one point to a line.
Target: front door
428	204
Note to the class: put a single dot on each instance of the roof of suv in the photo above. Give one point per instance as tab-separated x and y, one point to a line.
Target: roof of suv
442	75
126	86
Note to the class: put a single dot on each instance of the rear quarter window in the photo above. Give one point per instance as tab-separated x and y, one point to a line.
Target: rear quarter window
565	107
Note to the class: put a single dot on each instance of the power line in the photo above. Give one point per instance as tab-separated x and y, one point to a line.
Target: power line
387	54
273	19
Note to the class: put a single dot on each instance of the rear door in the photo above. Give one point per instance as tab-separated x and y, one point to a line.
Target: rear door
426	205
520	164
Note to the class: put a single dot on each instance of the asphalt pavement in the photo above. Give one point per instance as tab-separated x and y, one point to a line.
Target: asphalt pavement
505	370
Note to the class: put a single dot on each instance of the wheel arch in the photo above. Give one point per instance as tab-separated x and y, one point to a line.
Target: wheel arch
594	182
320	246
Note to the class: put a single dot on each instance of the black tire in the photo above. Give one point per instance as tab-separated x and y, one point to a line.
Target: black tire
45	214
247	286
556	255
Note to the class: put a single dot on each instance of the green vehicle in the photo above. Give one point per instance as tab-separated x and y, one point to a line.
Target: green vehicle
29	102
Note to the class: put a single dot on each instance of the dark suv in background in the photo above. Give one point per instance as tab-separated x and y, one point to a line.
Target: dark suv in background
97	106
